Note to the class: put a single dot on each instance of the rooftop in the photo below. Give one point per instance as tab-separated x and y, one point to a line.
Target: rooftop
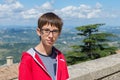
9	72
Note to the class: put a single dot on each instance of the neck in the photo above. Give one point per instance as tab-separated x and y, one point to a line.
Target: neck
45	50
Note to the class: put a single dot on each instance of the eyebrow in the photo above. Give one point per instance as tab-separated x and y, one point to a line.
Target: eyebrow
49	29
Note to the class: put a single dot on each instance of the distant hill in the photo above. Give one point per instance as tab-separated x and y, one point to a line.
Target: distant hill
14	40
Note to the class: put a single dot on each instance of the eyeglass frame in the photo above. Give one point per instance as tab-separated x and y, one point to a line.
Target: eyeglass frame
48	31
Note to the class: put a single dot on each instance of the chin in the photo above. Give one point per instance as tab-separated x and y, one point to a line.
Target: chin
49	45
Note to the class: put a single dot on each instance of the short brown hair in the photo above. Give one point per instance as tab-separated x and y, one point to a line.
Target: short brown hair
50	18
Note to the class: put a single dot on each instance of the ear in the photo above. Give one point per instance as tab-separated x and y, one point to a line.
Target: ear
38	32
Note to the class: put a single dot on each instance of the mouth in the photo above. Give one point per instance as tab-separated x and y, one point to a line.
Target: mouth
50	41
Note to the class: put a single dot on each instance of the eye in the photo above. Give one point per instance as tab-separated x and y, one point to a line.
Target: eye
46	30
55	31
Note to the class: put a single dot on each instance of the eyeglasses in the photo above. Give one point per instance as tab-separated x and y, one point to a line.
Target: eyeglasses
47	32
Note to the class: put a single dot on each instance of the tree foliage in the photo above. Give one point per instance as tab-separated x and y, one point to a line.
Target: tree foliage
94	44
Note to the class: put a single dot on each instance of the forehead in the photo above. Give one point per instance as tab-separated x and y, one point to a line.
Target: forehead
49	26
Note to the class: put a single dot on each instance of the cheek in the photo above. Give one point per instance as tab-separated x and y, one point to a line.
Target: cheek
42	37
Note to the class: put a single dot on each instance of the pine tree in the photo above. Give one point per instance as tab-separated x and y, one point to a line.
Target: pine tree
94	44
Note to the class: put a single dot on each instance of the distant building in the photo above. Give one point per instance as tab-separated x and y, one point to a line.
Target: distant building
9	71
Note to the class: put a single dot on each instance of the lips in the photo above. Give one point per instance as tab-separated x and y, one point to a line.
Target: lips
50	41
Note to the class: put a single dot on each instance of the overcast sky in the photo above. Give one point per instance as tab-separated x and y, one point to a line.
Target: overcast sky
73	12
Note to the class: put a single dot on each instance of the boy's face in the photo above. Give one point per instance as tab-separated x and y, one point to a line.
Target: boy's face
49	34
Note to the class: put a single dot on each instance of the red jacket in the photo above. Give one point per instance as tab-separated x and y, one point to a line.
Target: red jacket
32	68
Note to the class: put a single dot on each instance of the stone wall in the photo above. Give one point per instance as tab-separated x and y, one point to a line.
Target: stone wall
107	68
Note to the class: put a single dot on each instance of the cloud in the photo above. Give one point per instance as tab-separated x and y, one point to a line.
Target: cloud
10	5
98	5
14	10
82	11
37	11
10	8
9	1
32	13
47	6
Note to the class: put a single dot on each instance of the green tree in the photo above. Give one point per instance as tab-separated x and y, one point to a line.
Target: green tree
94	44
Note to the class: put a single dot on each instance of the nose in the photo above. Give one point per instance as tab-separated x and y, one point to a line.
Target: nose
50	34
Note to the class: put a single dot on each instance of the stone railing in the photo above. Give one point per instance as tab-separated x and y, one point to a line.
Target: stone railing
107	68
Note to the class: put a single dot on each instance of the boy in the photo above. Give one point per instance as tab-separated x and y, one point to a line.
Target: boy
44	61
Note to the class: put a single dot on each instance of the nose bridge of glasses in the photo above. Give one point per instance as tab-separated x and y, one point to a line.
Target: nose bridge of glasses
50	34
53	32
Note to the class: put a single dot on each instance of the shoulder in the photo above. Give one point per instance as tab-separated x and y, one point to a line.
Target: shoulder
25	57
29	53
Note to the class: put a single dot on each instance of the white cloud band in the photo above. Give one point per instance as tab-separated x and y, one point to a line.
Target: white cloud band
12	9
